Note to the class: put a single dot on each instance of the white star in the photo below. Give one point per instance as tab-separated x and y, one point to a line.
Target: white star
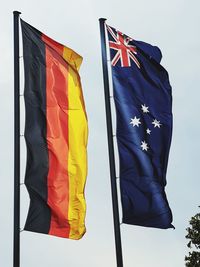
144	108
144	146
148	131
135	121
156	123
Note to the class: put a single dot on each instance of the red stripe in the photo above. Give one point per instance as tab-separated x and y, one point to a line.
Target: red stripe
53	44
57	141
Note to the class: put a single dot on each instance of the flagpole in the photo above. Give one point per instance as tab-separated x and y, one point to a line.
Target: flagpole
16	236
117	232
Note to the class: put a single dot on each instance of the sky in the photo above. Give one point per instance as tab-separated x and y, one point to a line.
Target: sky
172	25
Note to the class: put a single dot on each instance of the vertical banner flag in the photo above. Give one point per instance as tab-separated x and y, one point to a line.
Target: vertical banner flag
143	101
56	136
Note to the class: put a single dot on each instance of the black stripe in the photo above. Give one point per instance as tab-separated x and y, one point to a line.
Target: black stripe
38	219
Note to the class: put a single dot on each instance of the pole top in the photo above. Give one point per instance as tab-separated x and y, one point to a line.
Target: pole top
16	12
102	19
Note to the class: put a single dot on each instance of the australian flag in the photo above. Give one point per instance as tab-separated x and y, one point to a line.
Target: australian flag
143	101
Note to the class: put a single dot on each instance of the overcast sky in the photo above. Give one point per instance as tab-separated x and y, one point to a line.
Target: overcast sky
172	25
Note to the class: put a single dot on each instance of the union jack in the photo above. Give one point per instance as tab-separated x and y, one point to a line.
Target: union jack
124	51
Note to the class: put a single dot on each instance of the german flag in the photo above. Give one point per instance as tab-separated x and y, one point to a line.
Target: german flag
56	136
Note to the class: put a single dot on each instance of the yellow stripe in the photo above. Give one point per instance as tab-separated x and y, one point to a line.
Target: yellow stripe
72	58
77	157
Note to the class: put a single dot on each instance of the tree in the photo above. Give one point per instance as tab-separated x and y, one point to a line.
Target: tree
193	259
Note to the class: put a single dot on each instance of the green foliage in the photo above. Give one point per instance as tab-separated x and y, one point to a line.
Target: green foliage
193	259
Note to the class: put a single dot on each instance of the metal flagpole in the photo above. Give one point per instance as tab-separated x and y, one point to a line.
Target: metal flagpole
16	241
118	245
